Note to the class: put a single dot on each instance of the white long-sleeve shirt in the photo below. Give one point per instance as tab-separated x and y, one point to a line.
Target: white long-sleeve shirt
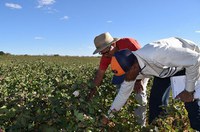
164	58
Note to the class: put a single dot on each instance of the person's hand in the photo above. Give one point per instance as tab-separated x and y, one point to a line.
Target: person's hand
91	94
186	96
138	88
106	121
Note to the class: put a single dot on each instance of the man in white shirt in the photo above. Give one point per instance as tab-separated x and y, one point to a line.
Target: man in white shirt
161	59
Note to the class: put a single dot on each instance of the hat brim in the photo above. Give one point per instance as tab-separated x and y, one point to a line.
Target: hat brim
118	79
102	48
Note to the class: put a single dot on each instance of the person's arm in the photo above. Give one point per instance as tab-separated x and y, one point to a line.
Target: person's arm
189	60
119	101
177	58
96	82
122	96
138	88
104	63
99	77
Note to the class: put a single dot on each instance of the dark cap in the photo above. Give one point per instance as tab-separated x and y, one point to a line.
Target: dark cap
121	63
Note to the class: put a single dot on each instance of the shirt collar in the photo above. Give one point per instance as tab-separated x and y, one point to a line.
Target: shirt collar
141	63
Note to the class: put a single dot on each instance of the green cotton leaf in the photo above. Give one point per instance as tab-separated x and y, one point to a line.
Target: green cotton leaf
46	128
168	127
78	115
92	120
91	110
3	109
23	121
68	113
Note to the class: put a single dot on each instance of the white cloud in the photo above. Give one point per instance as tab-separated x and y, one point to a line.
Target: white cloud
50	10
42	3
64	18
197	31
13	6
38	38
109	21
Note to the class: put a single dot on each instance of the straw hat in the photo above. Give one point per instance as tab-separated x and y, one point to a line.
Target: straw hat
103	41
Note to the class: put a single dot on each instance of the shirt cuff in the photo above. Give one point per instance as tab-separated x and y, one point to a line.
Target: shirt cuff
190	86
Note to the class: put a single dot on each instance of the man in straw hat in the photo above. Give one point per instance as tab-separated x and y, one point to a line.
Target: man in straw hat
106	46
162	59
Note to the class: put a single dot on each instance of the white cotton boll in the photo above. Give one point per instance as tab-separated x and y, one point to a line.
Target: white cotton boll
86	117
76	93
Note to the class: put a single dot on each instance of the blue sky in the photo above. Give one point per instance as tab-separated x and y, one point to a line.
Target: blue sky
68	27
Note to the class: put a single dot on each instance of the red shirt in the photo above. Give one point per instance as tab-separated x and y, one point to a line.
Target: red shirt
123	43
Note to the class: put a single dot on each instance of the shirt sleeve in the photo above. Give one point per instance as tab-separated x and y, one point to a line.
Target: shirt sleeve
123	43
192	75
104	63
128	43
189	44
123	94
180	57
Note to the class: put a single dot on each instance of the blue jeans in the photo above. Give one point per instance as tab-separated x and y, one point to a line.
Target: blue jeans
159	96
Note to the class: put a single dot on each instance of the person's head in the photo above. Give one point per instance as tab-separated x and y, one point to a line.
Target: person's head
124	65
103	43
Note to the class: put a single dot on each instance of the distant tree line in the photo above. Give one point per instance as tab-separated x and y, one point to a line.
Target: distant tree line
3	53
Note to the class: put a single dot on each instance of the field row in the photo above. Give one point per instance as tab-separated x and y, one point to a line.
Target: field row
49	94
